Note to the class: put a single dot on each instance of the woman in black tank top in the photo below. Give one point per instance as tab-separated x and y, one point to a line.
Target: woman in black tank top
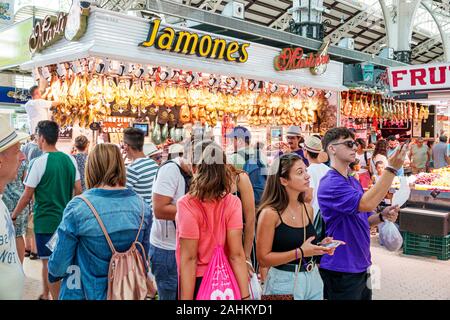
285	239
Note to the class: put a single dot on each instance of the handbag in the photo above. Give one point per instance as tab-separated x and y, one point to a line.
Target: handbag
254	287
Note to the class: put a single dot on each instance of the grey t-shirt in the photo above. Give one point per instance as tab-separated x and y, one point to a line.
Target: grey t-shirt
439	153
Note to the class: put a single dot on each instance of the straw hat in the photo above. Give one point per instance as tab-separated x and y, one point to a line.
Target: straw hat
8	136
294	131
314	144
150	149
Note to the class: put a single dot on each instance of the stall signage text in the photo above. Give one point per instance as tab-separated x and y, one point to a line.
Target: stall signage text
47	32
191	43
420	77
292	58
72	26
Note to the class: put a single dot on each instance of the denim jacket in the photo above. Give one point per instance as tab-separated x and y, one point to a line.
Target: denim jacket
81	255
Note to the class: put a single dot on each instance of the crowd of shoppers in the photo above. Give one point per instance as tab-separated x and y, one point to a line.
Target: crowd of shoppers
312	220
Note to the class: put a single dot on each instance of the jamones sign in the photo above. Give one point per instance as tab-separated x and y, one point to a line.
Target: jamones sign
420	77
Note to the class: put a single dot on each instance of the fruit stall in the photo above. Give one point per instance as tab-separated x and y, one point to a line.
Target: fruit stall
432	187
425	221
170	79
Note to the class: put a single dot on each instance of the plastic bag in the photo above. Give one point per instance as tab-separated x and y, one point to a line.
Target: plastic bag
390	236
254	287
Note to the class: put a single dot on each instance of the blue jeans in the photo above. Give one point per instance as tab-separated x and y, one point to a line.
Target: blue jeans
308	285
164	268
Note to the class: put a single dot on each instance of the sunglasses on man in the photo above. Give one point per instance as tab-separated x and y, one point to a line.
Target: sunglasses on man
349	143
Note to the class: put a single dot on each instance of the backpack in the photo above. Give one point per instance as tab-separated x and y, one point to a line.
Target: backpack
187	178
256	171
127	275
219	282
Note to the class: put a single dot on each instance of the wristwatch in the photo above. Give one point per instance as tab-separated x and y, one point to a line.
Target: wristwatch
391	170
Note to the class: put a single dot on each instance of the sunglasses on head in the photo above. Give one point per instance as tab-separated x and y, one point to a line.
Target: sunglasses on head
349	143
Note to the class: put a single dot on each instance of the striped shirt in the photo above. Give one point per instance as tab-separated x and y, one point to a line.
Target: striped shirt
140	177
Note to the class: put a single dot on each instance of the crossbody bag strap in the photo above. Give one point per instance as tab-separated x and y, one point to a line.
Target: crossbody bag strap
142	219
136	242
100	222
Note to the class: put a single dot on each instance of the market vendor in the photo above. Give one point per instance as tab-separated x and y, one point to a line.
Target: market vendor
38	109
294	139
348	215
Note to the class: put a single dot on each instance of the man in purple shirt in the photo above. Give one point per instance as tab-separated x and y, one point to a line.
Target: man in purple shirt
347	213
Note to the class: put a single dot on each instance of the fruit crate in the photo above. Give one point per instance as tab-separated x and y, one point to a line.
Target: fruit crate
425	245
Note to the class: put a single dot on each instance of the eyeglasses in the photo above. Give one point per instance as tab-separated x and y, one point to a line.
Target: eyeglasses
349	143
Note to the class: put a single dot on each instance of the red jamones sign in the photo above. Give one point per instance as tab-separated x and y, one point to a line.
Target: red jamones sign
420	77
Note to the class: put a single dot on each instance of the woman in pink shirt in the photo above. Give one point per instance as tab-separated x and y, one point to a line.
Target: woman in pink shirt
210	188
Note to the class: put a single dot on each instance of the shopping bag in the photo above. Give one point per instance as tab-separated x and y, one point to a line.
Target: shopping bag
254	287
390	236
219	281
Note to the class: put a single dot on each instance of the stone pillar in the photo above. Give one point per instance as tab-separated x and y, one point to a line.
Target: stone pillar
399	19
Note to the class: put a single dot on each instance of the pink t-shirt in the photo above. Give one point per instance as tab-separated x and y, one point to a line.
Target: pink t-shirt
191	225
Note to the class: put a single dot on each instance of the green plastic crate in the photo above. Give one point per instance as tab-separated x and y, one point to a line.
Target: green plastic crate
425	245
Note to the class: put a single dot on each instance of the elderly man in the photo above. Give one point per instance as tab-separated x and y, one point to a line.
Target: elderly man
11	273
420	156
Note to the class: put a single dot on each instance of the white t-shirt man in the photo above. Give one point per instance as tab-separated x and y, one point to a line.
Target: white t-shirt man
37	110
170	183
316	171
11	272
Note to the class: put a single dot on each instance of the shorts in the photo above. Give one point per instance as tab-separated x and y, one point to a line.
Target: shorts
346	286
304	285
41	240
21	224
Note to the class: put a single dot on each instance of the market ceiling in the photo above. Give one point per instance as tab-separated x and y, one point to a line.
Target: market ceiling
368	35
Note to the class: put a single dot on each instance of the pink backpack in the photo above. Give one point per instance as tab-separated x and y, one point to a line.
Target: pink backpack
219	282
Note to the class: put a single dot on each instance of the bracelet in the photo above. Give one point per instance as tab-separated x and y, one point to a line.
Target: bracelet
301	250
296	254
381	217
391	170
245	298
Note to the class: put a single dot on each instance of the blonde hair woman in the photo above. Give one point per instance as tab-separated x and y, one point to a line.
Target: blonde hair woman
210	192
81	245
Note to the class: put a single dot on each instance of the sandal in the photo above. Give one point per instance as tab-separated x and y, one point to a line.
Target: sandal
41	297
34	256
27	253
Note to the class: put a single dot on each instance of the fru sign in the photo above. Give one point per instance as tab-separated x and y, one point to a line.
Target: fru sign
191	43
420	77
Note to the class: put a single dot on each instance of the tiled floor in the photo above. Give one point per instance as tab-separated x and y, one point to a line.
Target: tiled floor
400	277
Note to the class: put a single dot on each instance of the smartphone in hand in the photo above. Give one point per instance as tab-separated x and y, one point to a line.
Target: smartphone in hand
333	244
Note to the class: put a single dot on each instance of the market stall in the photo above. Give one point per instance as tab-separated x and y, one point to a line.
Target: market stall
125	71
369	112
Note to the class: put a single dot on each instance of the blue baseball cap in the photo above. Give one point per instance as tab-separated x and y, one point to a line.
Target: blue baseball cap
239	132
